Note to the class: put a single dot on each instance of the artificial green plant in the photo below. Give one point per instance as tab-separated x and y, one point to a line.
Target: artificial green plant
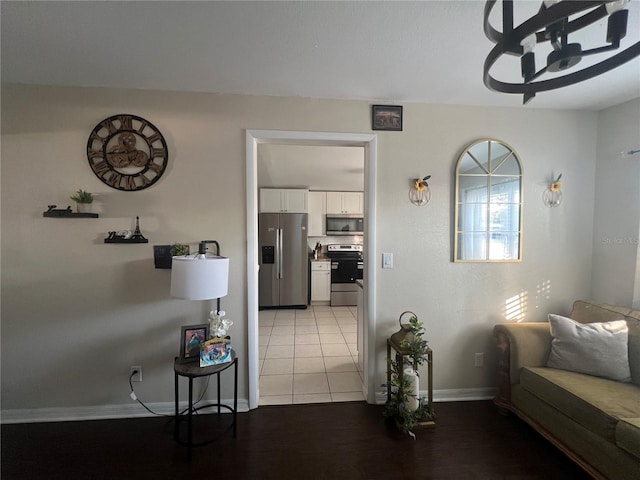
396	407
82	196
178	249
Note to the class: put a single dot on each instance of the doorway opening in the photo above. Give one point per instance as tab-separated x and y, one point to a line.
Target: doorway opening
369	142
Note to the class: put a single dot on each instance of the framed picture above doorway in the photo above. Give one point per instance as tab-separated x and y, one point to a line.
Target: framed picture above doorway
386	117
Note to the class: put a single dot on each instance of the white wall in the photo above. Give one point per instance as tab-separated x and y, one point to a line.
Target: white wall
313	167
76	313
460	302
616	261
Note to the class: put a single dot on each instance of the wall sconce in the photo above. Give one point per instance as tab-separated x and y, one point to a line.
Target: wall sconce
552	196
628	153
420	193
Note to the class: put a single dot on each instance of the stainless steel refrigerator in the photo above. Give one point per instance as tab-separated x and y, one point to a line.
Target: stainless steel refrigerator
283	278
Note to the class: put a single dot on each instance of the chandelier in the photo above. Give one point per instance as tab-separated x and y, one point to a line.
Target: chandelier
553	24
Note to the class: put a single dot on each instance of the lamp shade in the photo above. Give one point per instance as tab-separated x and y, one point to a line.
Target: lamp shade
200	277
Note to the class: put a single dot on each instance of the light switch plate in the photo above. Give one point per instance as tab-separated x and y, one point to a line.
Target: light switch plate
387	260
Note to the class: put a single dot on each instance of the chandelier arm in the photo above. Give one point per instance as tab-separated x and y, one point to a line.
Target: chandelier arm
576	24
561	10
491	33
598	50
558	82
564	9
542	71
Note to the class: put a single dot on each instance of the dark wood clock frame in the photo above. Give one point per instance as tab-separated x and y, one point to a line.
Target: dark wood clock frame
127	152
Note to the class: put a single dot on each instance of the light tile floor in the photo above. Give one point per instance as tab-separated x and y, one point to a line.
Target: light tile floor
309	356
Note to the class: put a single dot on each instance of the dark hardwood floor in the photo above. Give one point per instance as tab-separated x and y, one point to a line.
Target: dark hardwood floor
328	441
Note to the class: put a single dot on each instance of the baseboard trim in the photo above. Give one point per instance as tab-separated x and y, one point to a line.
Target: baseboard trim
100	412
105	412
451	395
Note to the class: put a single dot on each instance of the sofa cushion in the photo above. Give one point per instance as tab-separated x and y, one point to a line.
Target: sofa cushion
599	349
588	312
607	458
634	356
628	435
595	403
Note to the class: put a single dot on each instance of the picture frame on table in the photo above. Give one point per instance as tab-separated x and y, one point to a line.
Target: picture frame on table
215	351
191	336
386	117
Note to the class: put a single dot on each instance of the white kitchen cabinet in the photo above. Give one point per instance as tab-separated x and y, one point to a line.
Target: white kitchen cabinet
345	202
317	211
283	200
320	281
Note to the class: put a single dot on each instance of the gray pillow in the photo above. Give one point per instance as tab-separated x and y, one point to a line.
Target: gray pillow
598	349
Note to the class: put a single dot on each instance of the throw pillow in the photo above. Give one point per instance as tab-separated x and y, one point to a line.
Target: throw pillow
598	349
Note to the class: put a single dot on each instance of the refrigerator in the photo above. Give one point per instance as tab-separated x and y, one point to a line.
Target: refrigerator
283	277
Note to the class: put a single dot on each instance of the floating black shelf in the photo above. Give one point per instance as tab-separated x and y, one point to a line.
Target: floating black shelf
126	240
137	236
67	214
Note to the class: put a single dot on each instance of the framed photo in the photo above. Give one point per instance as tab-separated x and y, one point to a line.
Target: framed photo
386	117
191	337
215	351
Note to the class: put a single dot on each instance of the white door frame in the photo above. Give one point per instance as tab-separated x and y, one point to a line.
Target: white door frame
369	142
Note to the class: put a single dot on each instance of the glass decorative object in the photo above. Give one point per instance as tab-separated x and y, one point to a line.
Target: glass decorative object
552	196
420	193
218	326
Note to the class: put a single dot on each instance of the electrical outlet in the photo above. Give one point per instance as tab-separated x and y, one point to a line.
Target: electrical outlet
479	359
138	376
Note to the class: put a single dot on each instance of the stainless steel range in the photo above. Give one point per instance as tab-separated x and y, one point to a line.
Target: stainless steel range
346	267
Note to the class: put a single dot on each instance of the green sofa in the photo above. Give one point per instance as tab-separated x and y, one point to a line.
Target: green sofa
594	420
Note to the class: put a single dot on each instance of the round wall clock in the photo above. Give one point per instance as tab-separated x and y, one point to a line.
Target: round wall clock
127	152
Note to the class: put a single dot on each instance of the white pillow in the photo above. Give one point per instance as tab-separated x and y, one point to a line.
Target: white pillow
599	349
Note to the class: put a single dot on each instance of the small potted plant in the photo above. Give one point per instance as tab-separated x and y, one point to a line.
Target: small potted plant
178	249
163	254
83	201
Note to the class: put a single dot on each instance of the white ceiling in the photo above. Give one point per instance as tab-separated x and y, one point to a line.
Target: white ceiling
384	52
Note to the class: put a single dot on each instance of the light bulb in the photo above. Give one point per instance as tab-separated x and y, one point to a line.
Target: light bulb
615	6
528	43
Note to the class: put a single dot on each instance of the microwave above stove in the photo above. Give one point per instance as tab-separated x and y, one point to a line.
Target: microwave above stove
344	224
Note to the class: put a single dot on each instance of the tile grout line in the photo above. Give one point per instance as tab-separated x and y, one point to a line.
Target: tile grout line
326	373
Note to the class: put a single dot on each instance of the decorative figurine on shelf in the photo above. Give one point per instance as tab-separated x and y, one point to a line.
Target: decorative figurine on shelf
420	193
125	236
54	212
57	212
552	196
404	403
218	326
137	234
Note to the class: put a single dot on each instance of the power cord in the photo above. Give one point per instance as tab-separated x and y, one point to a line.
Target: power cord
135	397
